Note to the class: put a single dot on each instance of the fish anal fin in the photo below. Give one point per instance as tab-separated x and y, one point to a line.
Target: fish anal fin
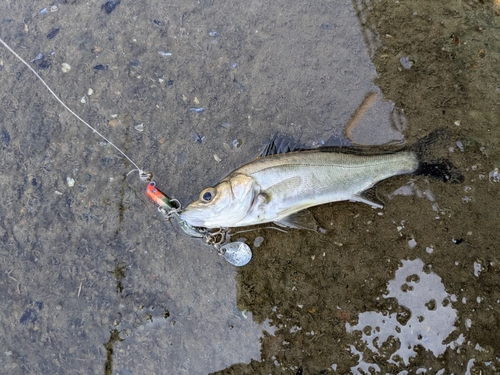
300	220
370	198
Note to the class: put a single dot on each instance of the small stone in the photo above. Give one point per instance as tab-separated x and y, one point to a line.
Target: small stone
83	100
110	6
90	92
53	33
70	181
65	67
196	100
139	128
113	122
217	158
237	143
258	241
406	62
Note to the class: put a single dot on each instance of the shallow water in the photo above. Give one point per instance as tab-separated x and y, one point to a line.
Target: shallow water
96	281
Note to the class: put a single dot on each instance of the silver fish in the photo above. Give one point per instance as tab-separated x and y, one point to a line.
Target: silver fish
279	188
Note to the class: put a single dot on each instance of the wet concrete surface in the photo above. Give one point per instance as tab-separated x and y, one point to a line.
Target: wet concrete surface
94	280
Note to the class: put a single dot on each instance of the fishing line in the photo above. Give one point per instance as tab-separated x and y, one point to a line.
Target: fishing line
251	230
236	253
144	176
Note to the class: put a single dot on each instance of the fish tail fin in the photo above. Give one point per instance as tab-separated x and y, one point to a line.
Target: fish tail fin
435	167
440	169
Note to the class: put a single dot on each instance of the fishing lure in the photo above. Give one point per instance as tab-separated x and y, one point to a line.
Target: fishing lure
236	253
171	208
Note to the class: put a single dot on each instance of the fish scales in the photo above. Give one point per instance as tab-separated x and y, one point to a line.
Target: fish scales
293	182
274	188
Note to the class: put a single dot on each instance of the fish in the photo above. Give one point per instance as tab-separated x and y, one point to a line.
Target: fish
280	187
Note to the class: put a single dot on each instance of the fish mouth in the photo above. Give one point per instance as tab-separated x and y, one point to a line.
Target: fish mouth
192	217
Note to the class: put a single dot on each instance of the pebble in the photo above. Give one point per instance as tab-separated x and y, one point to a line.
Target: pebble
139	128
38	57
70	181
52	34
90	92
198	138
494	175
100	67
196	110
405	62
110	6
5	137
258	241
65	67
44	64
237	143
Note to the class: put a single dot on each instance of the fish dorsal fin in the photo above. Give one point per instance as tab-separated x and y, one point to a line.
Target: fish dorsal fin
280	144
370	197
300	220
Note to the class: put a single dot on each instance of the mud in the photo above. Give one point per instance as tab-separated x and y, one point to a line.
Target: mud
94	280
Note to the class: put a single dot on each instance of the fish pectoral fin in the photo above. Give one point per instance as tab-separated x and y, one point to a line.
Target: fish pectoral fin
370	198
300	220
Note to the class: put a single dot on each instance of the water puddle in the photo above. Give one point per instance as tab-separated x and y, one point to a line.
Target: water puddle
97	281
426	318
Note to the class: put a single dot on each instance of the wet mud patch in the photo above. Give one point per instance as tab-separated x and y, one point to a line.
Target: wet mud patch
439	63
255	71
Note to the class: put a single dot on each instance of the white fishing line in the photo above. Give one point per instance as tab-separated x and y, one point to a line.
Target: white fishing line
144	176
238	253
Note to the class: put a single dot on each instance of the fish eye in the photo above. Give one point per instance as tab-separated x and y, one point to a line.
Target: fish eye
207	195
